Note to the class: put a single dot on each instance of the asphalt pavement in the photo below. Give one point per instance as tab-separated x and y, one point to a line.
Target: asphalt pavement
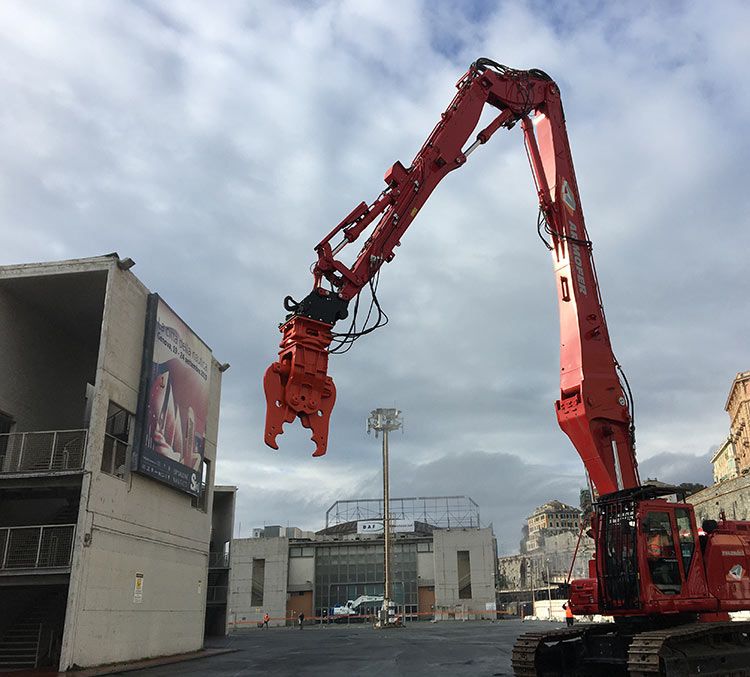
420	649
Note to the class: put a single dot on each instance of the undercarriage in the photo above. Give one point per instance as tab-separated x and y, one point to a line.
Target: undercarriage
620	650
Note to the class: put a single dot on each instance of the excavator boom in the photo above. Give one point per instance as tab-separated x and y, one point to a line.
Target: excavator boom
671	588
592	408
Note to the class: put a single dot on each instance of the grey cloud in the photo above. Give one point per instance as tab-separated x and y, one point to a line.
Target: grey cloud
217	145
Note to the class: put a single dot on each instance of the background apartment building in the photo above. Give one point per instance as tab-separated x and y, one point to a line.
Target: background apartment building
107	454
724	462
738	408
552	542
551	518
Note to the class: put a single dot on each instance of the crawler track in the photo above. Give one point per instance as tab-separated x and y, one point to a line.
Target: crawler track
692	650
695	649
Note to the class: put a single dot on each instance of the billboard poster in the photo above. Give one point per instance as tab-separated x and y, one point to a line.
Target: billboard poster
173	401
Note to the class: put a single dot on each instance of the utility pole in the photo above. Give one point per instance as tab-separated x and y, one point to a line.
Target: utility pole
531	578
386	420
549	594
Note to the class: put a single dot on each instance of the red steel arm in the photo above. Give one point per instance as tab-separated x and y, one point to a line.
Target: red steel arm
592	409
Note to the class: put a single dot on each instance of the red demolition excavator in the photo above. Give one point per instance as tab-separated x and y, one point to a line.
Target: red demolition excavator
669	586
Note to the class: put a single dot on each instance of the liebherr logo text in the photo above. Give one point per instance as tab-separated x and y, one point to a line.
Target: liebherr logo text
577	260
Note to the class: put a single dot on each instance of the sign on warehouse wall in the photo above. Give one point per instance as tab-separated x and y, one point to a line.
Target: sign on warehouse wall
173	400
376	526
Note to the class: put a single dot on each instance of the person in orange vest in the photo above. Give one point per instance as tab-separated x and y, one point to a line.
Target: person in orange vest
266	618
654	546
569	620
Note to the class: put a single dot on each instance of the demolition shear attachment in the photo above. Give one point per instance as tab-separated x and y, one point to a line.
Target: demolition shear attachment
298	385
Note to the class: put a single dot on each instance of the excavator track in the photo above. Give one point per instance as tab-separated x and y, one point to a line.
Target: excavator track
694	649
601	650
555	652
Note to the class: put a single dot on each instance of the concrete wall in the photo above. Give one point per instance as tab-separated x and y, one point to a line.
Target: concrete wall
135	525
45	367
732	496
483	562
301	571
558	554
425	567
512	570
275	551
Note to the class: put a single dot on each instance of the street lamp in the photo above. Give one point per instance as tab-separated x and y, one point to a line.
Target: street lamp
385	420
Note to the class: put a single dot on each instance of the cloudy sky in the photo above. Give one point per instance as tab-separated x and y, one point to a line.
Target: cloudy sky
216	143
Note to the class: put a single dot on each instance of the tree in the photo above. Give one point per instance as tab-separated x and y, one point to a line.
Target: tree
691	487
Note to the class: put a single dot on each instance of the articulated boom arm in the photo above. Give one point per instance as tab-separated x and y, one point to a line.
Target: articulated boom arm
592	409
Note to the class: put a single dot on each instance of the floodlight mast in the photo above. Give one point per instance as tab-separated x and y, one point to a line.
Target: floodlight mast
385	421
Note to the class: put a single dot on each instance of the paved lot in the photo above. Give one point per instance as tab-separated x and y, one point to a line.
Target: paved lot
448	648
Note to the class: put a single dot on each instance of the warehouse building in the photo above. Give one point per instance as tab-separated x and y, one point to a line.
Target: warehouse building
109	409
444	564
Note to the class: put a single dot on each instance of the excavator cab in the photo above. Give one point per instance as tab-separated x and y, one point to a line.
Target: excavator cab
649	559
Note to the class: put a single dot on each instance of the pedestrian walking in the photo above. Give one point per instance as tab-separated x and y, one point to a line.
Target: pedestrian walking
569	620
301	619
266	618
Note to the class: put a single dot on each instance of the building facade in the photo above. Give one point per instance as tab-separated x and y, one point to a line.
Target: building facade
103	558
738	408
436	571
551	518
724	462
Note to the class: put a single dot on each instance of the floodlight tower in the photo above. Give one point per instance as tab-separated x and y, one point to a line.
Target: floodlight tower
385	420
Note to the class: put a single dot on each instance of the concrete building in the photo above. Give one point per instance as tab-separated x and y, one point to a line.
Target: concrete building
551	518
724	462
107	456
551	539
738	408
550	563
438	570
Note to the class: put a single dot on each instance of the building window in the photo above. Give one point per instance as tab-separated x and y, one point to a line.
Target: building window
257	582
464	574
424	546
116	441
201	500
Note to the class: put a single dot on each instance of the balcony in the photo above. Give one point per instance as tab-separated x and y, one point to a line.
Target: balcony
36	547
218	560
51	451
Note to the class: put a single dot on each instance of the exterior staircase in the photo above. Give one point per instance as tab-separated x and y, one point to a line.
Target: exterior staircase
19	646
33	640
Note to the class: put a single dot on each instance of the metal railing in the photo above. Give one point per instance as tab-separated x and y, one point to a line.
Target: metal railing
216	593
40	452
218	560
46	546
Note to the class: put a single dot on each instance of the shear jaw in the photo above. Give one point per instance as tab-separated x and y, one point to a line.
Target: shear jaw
297	385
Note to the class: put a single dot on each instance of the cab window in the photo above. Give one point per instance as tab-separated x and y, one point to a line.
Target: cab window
687	539
661	553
